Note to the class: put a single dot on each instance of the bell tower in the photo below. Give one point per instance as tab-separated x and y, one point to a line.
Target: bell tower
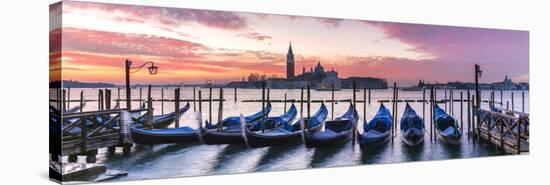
289	63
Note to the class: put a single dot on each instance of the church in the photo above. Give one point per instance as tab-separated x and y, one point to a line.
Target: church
318	78
312	75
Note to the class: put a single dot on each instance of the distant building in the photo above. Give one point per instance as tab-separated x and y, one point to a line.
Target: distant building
316	78
524	86
290	63
506	84
365	83
279	83
240	84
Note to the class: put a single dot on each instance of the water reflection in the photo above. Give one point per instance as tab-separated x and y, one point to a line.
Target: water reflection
413	153
377	154
175	160
324	155
285	157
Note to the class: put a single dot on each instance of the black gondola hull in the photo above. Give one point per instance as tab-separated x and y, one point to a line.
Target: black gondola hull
412	141
339	139
257	140
452	140
146	138
213	137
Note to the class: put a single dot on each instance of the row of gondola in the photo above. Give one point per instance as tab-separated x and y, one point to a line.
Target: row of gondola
260	130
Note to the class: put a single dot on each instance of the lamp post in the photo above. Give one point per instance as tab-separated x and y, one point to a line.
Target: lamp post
128	66
478	73
478	97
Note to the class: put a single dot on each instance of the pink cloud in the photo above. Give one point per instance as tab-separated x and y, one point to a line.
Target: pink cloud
125	43
462	43
164	15
254	36
496	50
55	40
330	22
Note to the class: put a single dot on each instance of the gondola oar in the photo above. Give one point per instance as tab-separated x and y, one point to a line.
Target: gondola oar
243	131
303	127
198	120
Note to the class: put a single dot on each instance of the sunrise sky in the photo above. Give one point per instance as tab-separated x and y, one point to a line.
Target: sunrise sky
192	46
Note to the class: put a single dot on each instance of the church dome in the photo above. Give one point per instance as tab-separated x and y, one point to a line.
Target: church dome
319	68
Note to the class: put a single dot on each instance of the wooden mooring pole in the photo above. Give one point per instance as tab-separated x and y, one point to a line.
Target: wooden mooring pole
162	101
446	100
302	103
284	110
63	100
395	125
108	99
369	96
100	100
210	104
194	100
268	94
263	106
513	101
451	103
354	131
308	123
477	75
393	111
149	108
68	98
474	116
200	103
58	93
220	107
461	112
468	112
518	138
424	107
83	132
118	97
332	102
177	106
235	93
140	96
81	101
364	103
431	113
492	99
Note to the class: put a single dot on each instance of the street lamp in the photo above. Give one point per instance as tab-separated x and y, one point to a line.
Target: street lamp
153	70
478	71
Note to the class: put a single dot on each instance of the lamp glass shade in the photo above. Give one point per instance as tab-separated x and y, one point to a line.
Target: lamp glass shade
153	70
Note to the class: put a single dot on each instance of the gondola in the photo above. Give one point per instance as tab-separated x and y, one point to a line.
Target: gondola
272	122
377	131
336	131
160	121
160	136
285	133
230	131
446	126
412	127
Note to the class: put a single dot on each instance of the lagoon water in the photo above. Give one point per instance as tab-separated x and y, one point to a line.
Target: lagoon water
177	160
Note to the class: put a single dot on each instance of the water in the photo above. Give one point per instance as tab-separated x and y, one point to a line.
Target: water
176	160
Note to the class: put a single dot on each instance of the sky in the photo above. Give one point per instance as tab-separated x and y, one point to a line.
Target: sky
193	46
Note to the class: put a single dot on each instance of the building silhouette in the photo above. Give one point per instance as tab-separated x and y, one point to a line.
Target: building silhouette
316	78
290	63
